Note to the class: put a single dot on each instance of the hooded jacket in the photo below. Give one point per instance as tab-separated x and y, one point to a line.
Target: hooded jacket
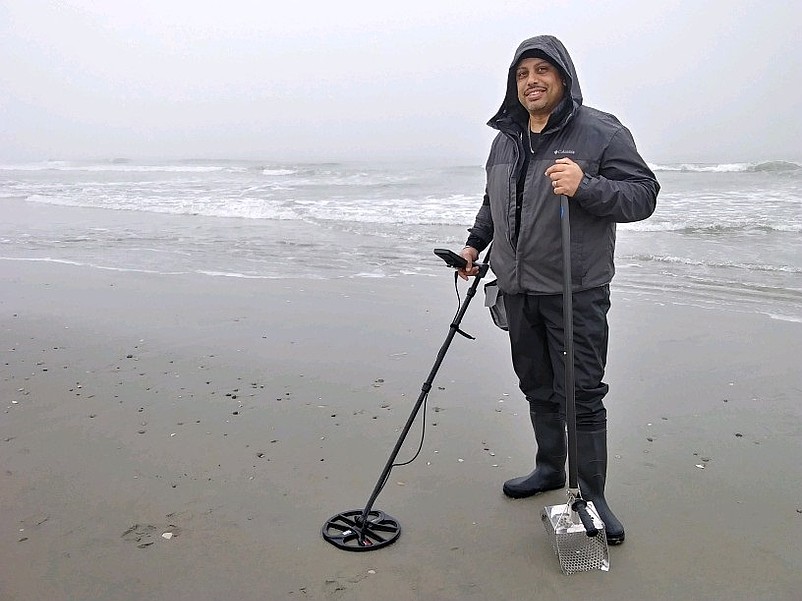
617	187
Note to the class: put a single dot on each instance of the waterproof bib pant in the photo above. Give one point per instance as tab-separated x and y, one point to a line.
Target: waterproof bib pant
537	346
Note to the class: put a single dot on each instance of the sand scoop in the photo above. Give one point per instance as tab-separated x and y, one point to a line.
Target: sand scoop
580	540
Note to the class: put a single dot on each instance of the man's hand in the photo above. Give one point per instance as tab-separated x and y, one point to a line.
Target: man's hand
470	254
565	176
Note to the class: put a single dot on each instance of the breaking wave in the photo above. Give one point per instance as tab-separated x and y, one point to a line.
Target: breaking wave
765	166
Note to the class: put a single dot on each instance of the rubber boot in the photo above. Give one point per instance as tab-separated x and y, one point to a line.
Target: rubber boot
591	450
549	472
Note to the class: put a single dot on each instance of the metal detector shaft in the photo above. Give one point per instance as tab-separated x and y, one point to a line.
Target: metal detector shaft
426	387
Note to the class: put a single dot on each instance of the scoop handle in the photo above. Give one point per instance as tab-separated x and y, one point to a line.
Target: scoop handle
581	508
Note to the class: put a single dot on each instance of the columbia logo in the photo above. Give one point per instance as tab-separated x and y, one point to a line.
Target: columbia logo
565	152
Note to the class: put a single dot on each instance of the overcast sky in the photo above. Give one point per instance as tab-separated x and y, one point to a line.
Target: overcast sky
711	81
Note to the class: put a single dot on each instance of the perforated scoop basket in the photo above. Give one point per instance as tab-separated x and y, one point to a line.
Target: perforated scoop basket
576	551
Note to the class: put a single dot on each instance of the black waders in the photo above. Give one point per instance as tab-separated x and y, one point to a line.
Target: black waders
592	468
549	473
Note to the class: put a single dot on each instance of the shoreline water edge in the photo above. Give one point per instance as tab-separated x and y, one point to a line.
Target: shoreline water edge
725	234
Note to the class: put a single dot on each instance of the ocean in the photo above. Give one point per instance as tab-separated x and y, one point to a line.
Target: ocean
724	236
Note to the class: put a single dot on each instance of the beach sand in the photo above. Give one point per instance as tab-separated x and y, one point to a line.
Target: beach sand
238	415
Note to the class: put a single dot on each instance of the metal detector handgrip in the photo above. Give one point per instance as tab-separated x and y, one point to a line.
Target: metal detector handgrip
581	508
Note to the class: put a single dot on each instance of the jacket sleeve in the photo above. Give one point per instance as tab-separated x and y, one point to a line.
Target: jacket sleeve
481	234
625	189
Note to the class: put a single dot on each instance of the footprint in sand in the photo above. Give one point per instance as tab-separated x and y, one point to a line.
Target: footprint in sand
145	535
140	534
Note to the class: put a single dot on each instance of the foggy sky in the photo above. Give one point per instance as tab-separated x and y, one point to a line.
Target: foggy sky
698	81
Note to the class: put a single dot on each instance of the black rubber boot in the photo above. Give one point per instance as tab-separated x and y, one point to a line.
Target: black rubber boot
549	473
591	450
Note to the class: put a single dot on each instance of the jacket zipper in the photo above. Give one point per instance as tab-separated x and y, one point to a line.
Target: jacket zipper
512	189
513	193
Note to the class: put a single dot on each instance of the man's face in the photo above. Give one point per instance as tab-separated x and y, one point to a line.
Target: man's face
540	86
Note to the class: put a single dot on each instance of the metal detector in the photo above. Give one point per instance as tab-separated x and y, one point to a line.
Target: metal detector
580	540
369	529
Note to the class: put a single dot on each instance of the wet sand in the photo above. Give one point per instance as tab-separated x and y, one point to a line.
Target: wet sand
237	415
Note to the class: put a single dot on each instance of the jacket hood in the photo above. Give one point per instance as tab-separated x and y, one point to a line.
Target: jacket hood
512	113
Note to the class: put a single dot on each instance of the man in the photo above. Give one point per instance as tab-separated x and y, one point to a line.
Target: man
549	144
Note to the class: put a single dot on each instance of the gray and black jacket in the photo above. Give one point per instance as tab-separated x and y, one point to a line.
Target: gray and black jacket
617	187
